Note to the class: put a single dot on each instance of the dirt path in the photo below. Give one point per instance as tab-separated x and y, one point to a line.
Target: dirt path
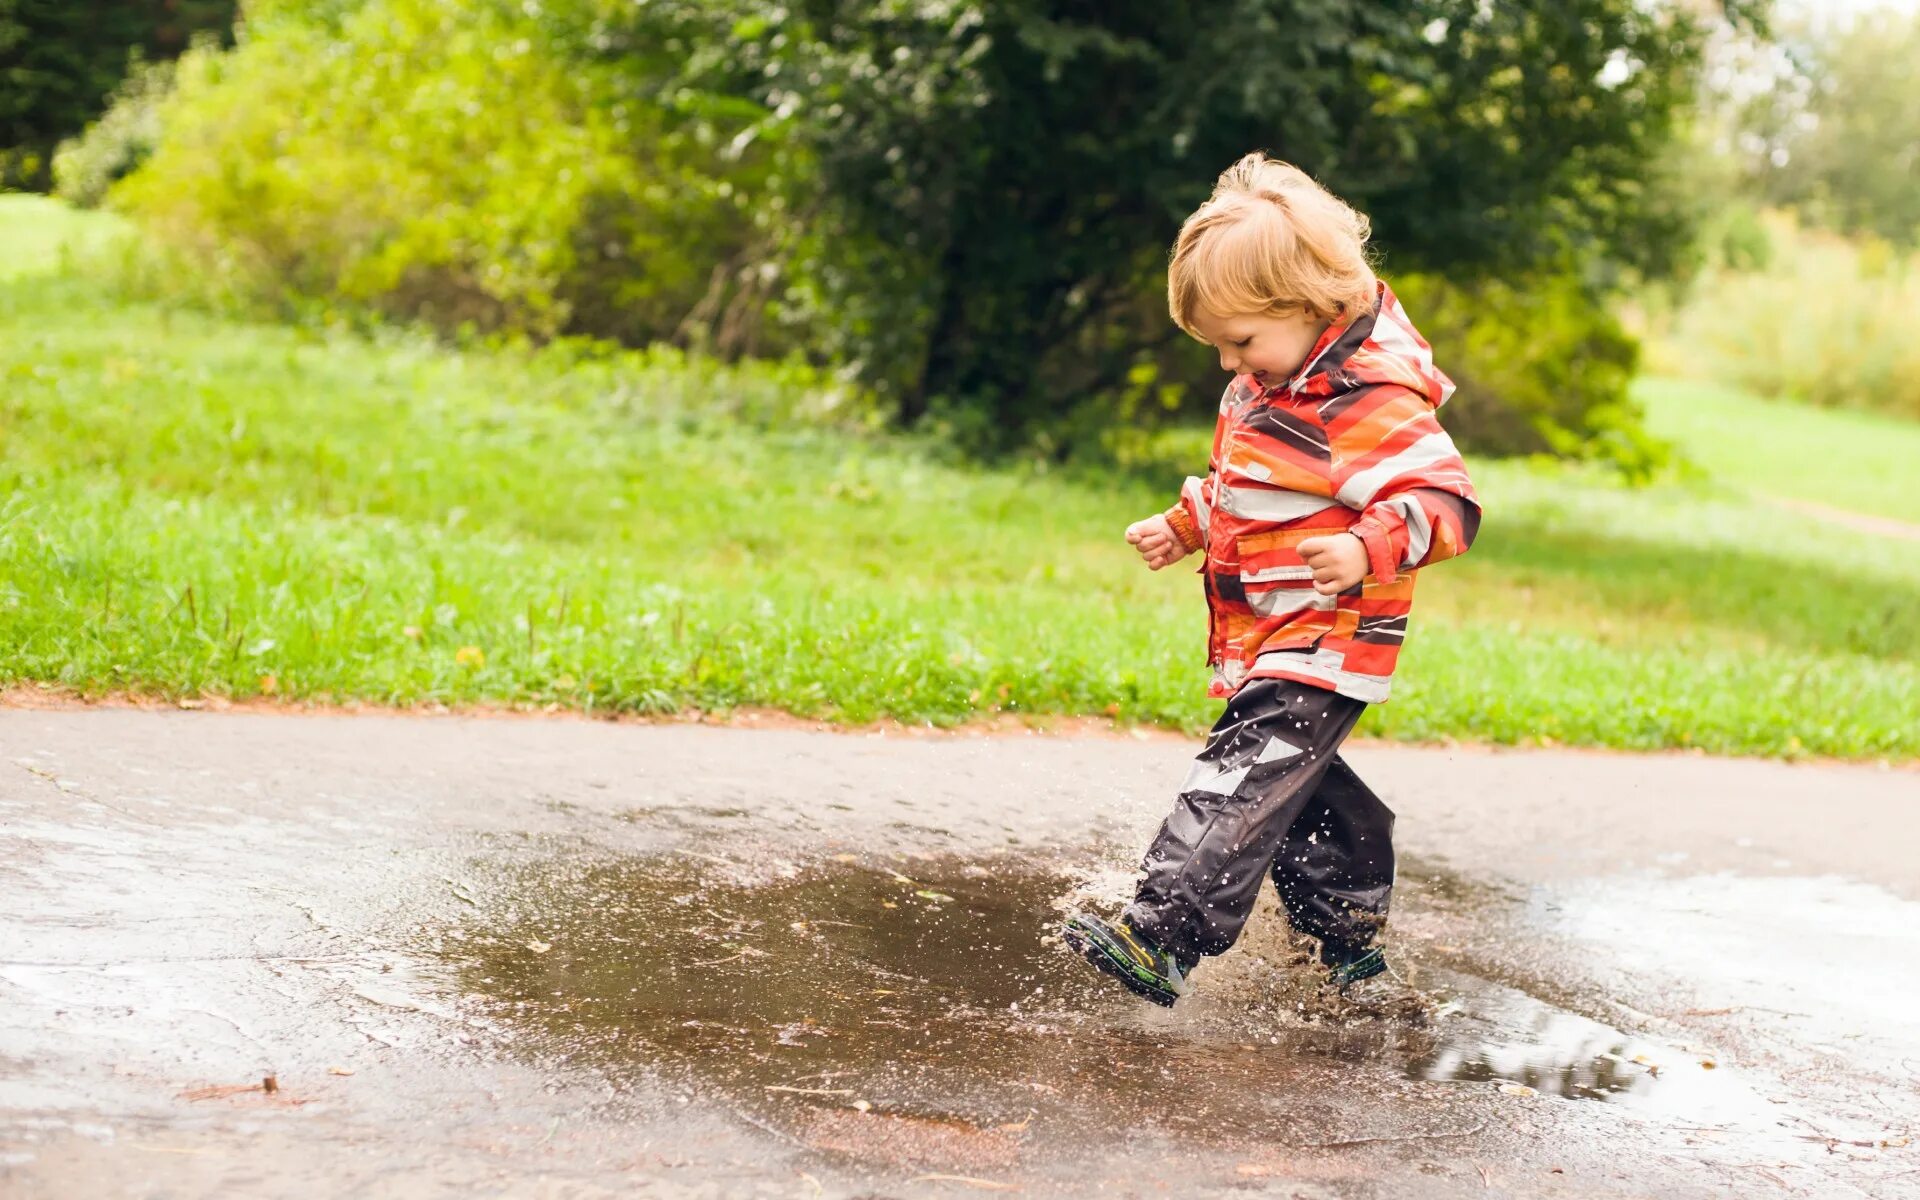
1864	522
573	959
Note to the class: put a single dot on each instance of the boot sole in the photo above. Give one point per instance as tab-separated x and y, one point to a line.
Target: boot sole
1107	962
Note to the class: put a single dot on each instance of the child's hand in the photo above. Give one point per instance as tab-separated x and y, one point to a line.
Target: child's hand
1338	562
1155	541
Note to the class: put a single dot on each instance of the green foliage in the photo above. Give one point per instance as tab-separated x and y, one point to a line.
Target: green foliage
59	61
124	137
1828	321
1839	142
1542	368
437	162
990	187
967	203
1739	240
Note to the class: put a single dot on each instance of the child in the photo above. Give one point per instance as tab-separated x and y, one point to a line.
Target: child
1330	484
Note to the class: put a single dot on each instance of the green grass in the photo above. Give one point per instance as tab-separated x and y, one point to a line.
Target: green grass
1861	461
191	504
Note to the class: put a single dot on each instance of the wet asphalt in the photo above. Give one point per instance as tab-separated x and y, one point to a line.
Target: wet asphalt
298	955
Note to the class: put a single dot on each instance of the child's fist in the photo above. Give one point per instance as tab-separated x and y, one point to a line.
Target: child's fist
1155	541
1338	562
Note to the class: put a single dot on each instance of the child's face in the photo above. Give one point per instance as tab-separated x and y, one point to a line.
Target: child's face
1268	347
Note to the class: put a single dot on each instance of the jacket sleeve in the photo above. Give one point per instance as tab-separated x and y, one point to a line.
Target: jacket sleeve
1401	470
1191	517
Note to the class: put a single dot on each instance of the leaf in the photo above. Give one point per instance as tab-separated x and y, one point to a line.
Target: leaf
470	656
1518	1089
930	894
539	947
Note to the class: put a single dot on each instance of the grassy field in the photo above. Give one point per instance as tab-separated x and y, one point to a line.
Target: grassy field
194	505
1852	460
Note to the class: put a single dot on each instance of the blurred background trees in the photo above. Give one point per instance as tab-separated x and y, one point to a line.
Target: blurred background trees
61	59
965	205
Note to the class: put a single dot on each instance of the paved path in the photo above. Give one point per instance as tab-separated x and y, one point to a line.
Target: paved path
565	958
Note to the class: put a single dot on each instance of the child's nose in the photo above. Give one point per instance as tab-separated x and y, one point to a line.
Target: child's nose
1229	362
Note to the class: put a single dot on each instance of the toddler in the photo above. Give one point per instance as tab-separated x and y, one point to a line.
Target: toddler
1331	483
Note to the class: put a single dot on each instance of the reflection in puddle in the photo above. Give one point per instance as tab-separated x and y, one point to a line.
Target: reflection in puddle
929	996
1509	1036
1834	957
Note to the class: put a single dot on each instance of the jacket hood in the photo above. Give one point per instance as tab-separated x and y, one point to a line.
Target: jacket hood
1381	347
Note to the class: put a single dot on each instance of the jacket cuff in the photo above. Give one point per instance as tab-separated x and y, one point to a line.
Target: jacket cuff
1383	560
1184	528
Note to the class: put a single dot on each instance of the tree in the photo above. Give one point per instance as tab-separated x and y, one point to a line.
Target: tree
59	60
982	191
1846	150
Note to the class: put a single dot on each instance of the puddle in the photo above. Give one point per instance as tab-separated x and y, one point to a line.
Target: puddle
1509	1036
1831	960
811	1002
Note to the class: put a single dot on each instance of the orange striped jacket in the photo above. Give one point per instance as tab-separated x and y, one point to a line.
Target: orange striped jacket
1349	444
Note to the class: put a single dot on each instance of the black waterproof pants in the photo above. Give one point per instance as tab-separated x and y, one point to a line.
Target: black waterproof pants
1270	795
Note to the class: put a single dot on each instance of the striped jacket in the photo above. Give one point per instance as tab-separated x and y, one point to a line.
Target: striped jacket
1349	444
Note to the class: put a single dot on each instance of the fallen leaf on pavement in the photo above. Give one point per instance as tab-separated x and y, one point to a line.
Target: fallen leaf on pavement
991	1185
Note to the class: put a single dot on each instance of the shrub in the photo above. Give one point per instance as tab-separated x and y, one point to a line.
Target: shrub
60	61
439	162
1826	320
993	183
121	139
1542	367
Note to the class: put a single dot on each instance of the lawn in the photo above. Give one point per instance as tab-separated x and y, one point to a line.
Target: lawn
191	504
1861	461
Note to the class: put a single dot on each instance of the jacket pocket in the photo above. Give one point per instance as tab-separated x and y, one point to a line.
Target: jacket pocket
1287	613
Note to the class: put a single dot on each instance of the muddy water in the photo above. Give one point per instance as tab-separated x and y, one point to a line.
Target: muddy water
923	1014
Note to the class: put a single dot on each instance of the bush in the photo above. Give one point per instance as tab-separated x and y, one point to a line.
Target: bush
1826	320
124	137
1542	368
993	184
59	62
967	203
440	162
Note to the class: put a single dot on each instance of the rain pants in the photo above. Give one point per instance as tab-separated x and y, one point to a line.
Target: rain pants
1270	796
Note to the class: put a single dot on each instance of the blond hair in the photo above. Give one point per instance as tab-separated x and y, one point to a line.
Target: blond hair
1272	241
